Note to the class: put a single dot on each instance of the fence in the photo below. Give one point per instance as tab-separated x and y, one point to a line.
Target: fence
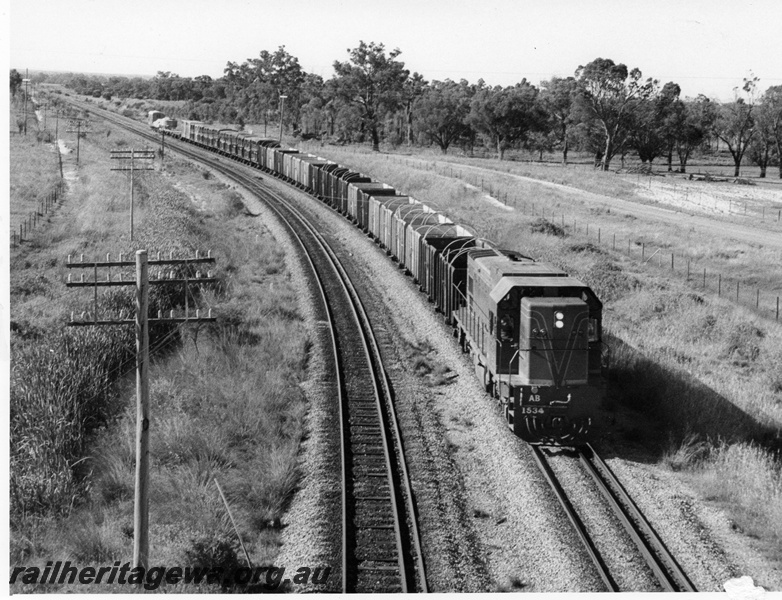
763	302
31	221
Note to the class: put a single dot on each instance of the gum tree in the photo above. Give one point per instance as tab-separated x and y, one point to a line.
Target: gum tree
609	94
441	111
373	82
735	124
506	115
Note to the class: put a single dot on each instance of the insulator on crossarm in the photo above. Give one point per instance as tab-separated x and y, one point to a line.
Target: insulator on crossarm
198	313
82	315
120	257
82	277
108	256
209	254
160	314
82	258
170	274
210	313
71	316
198	274
196	254
69	259
69	280
171	255
158	255
171	315
209	274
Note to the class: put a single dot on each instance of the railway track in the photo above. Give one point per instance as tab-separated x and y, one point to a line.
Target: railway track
381	549
666	570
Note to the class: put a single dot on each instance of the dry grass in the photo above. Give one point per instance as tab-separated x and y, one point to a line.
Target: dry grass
447	182
215	412
693	376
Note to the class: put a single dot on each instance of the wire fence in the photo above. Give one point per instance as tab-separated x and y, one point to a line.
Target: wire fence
45	206
708	280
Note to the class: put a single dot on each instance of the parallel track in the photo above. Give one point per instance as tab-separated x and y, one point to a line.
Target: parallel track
381	549
663	565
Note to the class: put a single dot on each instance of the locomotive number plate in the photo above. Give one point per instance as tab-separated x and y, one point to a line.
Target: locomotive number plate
532	410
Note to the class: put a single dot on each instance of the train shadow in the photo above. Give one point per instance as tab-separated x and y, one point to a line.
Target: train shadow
652	409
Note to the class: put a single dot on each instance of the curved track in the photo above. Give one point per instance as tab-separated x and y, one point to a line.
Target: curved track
666	570
381	550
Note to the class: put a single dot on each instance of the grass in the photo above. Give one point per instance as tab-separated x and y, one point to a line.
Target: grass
448	182
695	379
216	414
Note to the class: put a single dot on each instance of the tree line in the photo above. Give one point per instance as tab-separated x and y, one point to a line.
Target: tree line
605	108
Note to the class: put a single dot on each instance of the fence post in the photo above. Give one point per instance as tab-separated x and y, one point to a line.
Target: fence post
777	308
757	299
613	247
737	291
598	236
704	278
643	251
688	270
719	285
672	269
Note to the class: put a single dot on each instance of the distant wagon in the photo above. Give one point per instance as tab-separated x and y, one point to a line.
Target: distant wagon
153	116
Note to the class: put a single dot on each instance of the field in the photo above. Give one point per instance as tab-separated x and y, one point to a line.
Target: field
695	377
216	415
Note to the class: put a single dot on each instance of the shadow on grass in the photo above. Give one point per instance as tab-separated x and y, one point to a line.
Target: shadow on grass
654	407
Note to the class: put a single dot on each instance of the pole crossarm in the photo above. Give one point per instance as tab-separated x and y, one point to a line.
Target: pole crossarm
130	263
141	322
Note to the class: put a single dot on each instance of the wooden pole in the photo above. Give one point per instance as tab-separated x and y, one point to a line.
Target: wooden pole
131	195
141	508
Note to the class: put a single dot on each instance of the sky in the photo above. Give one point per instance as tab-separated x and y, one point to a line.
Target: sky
706	47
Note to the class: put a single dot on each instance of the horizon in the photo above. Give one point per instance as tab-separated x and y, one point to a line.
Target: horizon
502	43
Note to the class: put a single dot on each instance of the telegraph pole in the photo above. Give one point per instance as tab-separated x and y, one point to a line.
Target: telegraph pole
25	81
282	110
76	122
132	155
141	322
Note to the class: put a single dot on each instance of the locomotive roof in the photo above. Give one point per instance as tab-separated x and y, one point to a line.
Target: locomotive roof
506	284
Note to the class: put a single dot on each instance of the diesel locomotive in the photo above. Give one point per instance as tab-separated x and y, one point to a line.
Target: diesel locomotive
534	333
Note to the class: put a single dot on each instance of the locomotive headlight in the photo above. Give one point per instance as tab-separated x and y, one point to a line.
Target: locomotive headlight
560	320
559	316
559	324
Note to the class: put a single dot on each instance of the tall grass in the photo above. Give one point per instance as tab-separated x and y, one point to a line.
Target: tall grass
748	481
225	397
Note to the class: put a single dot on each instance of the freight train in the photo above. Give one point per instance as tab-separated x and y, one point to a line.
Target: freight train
534	333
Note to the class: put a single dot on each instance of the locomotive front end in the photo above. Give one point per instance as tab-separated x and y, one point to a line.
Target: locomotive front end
560	385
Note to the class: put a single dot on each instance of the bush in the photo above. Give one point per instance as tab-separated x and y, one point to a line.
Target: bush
546	227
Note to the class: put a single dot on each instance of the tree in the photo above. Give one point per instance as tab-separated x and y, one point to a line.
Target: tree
609	93
735	124
506	115
557	97
692	126
373	82
772	106
16	81
765	142
441	112
411	91
670	112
